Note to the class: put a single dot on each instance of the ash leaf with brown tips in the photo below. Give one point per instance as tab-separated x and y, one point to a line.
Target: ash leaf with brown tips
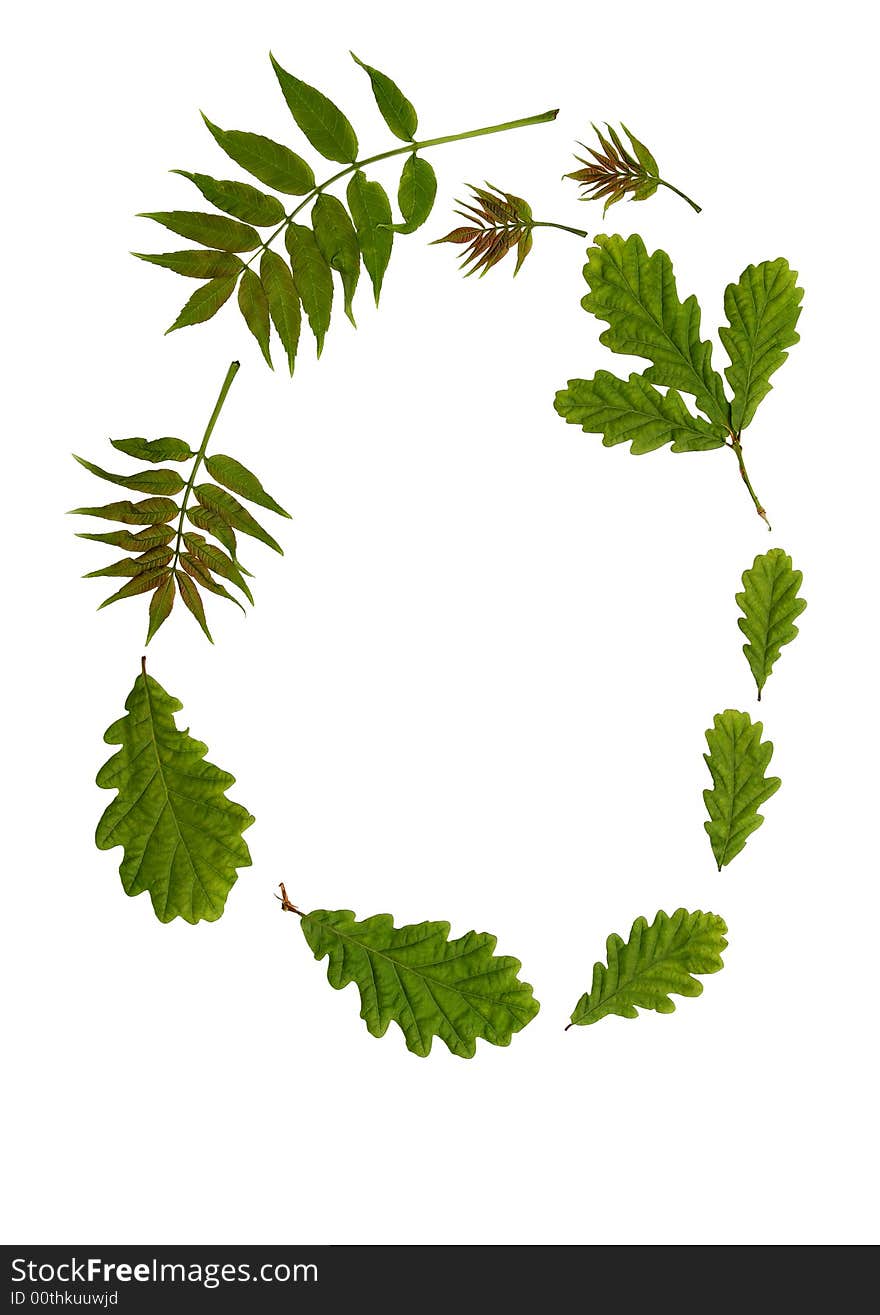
616	171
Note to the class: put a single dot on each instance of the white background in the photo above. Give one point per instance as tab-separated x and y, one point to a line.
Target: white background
476	686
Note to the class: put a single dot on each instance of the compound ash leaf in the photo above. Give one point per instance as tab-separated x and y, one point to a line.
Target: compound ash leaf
394	107
196	264
148	511
654	963
210	230
617	171
160	605
181	836
371	211
205	519
152	537
235	476
141	584
233	513
193	601
762	310
416	193
143	481
200	574
503	222
277	281
312	279
337	241
154	449
146	561
322	122
636	294
770	604
273	164
634	411
254	306
417	977
237	199
216	560
737	760
204	303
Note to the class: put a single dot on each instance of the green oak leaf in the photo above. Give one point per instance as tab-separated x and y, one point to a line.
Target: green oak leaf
770	604
181	835
634	411
657	961
762	309
415	976
737	760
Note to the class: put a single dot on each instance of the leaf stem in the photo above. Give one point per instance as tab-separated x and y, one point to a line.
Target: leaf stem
218	407
736	447
409	149
563	228
286	905
683	195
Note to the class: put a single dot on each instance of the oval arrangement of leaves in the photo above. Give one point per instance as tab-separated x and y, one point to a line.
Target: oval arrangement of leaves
182	837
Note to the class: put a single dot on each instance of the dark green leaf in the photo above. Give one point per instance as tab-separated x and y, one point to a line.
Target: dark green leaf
143	481
416	193
204	303
338	244
231	510
210	230
154	536
275	165
373	221
254	306
394	107
318	118
202	575
154	449
160	605
235	476
281	294
196	264
148	511
237	199
312	278
151	560
141	584
216	559
193	600
205	519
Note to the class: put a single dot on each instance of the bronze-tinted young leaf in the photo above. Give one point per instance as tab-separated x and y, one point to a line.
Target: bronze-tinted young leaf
148	511
275	165
497	222
371	211
277	280
416	193
154	449
237	199
202	575
254	306
192	599
153	536
312	278
143	481
205	519
160	605
150	560
231	510
210	230
141	584
216	560
394	107
337	241
615	171
204	303
235	476
318	118
196	264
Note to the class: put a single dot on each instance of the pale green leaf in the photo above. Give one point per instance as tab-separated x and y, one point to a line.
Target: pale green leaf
154	449
210	230
281	294
656	962
204	303
148	511
196	264
636	294
634	411
235	476
394	107
770	603
312	279
737	760
371	211
143	481
273	164
415	976
181	835
762	309
237	199
254	306
416	193
231	510
318	118
338	244
643	155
